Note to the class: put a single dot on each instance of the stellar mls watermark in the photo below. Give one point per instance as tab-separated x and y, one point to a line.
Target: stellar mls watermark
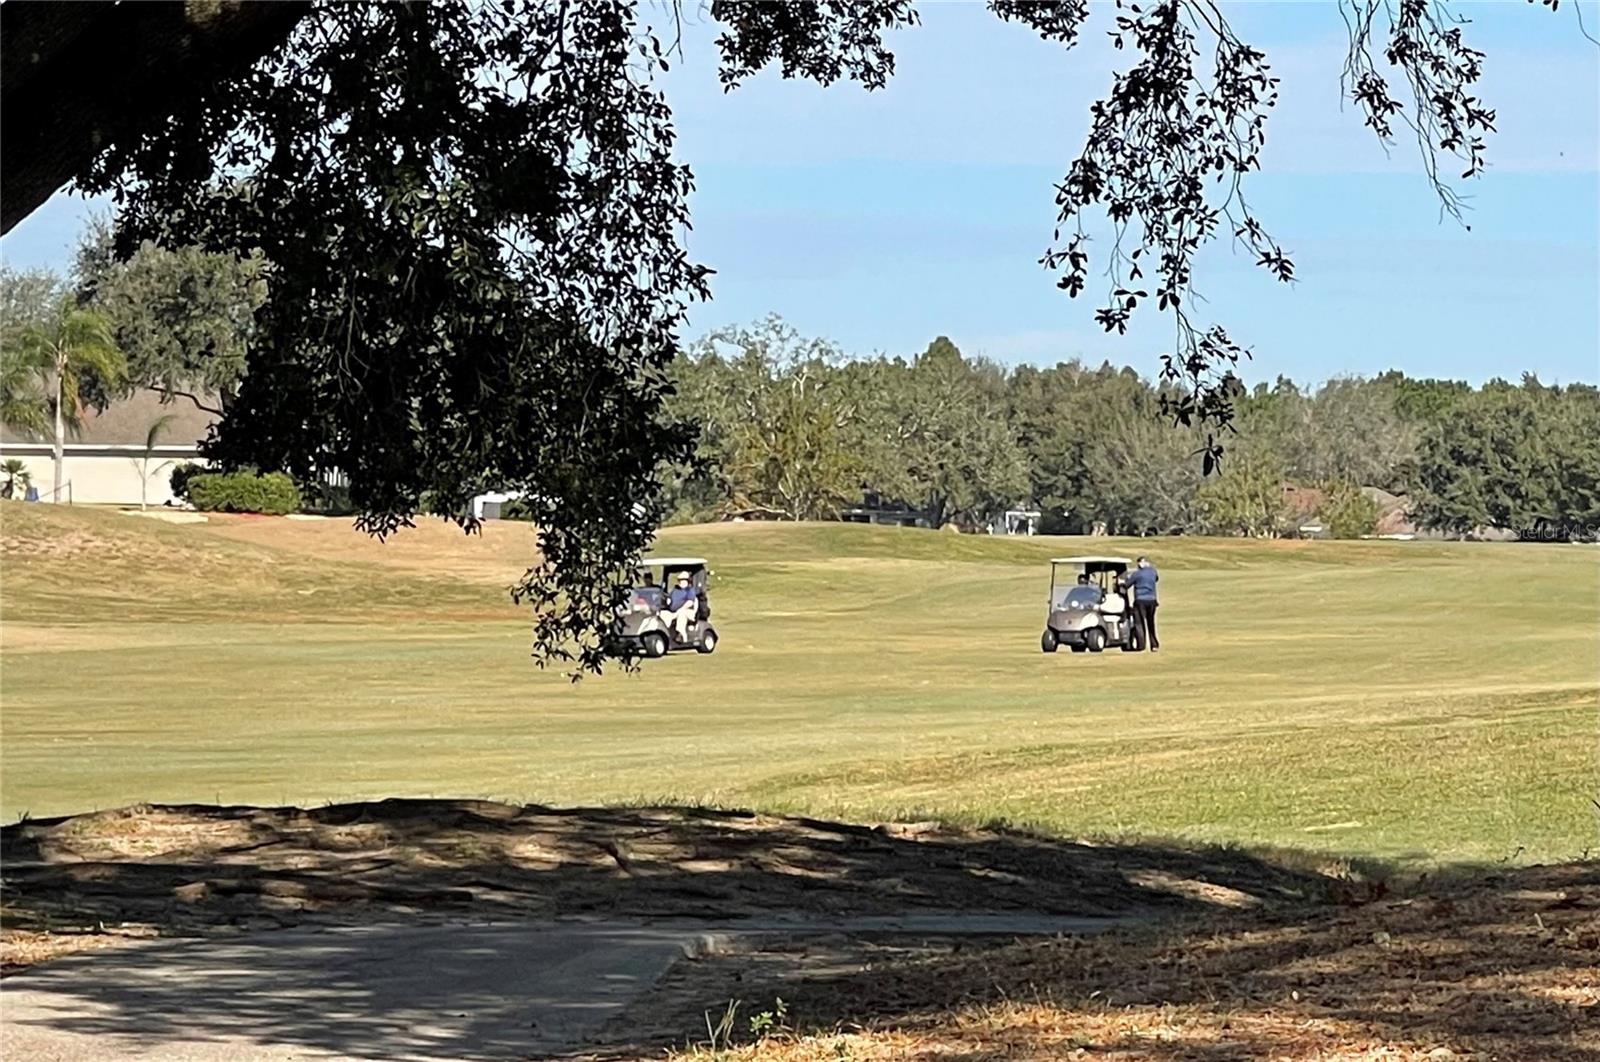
1559	531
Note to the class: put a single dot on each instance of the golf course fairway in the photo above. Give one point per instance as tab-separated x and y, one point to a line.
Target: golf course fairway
1415	702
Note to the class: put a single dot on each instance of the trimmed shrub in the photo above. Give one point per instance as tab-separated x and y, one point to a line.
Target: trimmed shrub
181	474
243	492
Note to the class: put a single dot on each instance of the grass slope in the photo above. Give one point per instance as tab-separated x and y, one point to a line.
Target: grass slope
1415	701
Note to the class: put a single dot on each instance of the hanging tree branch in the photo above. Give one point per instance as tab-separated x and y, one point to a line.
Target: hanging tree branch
1426	50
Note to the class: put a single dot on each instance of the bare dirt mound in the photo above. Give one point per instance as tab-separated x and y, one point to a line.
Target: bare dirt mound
175	870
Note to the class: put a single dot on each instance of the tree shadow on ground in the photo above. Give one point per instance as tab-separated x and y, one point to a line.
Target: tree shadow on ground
193	869
1487	964
215	872
1261	927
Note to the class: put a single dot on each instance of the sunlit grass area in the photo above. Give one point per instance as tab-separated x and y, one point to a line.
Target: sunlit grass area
1415	701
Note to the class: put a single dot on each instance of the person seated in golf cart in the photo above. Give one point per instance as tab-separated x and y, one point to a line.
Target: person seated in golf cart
683	605
646	595
1114	604
668	609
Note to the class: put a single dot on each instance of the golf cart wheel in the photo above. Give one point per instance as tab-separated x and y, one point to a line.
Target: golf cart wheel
1094	640
1077	647
1048	642
655	644
707	643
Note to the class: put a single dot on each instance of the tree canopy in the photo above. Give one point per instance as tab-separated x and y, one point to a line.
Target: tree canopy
472	213
183	318
1526	457
77	77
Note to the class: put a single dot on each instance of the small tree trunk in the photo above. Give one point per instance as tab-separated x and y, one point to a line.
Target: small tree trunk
58	451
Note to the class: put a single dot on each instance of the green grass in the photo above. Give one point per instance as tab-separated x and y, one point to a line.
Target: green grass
1413	701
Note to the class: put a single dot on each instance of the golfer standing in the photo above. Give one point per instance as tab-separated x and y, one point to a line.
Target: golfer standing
1142	584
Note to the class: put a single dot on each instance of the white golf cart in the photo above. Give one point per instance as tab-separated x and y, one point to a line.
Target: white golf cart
1088	609
641	630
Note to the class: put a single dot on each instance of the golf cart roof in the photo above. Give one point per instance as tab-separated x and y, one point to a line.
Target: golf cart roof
674	562
1124	561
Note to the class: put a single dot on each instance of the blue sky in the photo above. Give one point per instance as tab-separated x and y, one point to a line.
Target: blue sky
881	220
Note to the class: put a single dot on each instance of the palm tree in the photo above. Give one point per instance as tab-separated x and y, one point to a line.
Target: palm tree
71	344
142	463
17	477
24	404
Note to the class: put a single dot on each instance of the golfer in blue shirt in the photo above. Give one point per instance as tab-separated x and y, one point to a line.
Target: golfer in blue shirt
1142	587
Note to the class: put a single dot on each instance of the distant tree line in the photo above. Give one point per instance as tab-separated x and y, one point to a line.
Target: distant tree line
791	428
794	429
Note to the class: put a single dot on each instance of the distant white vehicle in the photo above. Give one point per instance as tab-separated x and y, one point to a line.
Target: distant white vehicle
1016	522
487	506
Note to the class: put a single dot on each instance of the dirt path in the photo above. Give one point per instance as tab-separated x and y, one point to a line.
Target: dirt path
419	994
371	992
464	929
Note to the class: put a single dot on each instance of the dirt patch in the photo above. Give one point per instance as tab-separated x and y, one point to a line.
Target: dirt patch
177	870
71	543
1503	966
20	639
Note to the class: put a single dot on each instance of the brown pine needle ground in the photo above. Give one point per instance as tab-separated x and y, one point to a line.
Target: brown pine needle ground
1503	966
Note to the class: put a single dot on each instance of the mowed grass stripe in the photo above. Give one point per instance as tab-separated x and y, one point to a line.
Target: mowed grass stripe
1400	789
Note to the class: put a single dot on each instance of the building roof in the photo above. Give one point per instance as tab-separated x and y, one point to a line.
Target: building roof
1303	503
1384	499
1394	512
128	422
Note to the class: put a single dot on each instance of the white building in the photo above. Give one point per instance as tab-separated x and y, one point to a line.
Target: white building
106	462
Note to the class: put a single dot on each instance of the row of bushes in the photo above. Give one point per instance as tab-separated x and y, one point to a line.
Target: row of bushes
273	493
